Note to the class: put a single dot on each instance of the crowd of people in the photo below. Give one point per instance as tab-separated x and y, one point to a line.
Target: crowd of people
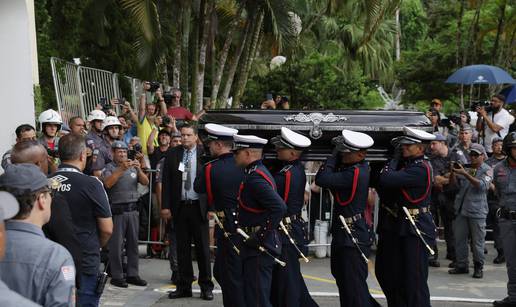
72	200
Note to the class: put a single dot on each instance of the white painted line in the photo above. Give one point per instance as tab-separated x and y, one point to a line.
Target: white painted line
380	296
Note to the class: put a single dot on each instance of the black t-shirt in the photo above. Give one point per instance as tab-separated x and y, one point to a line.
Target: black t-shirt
88	201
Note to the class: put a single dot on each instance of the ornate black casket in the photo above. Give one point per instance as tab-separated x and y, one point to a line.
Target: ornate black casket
320	126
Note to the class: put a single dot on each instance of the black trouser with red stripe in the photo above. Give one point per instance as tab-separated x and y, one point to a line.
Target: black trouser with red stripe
257	277
350	271
288	285
227	270
402	270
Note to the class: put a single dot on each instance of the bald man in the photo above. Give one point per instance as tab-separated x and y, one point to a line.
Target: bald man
60	227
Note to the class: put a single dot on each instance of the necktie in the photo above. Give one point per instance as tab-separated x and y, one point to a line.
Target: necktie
188	164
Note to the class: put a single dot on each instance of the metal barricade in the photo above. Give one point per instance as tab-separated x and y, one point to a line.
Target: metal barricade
79	88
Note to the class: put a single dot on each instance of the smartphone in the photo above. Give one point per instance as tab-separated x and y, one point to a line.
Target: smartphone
268	96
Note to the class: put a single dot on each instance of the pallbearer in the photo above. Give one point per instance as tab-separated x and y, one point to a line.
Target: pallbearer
402	256
288	285
346	173
220	180
260	212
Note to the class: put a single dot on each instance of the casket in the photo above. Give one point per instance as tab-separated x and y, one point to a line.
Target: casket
320	127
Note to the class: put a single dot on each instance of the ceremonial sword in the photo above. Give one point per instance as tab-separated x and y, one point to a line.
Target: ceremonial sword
261	248
407	213
343	221
292	241
226	234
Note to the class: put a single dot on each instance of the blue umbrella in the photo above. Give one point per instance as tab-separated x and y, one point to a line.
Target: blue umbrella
480	74
510	94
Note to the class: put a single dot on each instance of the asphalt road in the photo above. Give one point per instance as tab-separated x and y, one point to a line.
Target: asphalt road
445	289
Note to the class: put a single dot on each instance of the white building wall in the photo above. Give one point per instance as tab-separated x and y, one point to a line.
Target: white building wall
18	68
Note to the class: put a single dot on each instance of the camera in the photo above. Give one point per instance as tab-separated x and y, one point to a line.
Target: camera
165	121
131	154
457	165
54	153
481	104
154	85
168	97
105	104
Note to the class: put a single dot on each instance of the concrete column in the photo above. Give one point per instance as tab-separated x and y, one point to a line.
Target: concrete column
18	68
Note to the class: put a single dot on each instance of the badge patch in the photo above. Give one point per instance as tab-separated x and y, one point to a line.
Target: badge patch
68	272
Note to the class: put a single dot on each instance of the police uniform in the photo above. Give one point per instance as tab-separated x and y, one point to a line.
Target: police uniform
123	198
505	183
492	220
220	180
443	198
103	155
94	140
259	213
349	184
88	201
402	259
8	208
35	267
288	285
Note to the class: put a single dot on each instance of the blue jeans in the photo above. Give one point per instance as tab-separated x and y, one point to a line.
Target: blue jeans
86	296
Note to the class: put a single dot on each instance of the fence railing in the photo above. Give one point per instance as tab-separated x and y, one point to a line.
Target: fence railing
79	88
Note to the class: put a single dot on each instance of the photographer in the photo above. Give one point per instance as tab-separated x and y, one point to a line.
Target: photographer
471	210
148	111
175	110
493	120
121	178
443	195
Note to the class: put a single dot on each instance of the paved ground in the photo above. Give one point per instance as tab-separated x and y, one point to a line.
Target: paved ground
446	290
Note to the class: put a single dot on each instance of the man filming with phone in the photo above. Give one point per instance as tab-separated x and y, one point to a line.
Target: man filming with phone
121	178
493	121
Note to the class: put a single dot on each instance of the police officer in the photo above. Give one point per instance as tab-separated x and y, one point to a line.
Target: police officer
103	155
346	174
260	211
443	194
402	257
505	183
94	138
121	178
220	180
9	208
34	266
90	209
288	285
492	220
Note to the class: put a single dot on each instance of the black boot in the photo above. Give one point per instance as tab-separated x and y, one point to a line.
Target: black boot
500	258
478	273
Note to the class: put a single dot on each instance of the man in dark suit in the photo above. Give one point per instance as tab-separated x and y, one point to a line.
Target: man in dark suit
181	202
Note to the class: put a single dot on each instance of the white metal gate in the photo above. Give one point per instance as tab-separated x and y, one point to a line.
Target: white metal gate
79	88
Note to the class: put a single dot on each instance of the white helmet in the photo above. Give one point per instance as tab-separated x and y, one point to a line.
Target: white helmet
50	117
110	121
96	115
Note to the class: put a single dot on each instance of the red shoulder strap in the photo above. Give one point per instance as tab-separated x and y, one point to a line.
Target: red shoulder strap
266	178
425	195
241	203
207	175
288	174
356	172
